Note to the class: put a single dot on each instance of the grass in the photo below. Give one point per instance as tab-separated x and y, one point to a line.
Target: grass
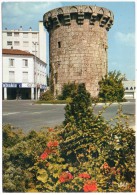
52	102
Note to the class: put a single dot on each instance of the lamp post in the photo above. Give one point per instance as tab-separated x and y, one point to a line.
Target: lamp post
35	69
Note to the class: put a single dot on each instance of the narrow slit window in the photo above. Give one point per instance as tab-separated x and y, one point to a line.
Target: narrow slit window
59	44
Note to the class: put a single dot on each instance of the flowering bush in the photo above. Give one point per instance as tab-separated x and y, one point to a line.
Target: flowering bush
86	155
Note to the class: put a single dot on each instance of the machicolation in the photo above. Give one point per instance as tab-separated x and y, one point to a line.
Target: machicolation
78	45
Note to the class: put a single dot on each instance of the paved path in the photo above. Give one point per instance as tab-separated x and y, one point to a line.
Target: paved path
29	116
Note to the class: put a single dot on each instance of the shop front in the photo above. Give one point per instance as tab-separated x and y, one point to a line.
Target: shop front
21	91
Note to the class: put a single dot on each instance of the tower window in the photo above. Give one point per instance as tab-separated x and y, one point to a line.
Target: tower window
59	44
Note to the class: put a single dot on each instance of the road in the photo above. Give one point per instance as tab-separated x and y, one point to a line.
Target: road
29	116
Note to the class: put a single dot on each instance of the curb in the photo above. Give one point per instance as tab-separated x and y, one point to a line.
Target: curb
46	104
100	104
110	103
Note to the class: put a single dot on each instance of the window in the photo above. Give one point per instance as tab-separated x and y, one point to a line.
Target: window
126	88
34	35
25	43
25	76
9	42
25	35
11	62
16	34
9	33
25	63
11	76
59	44
16	43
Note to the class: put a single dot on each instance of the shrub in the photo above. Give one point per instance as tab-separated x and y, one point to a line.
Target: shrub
18	157
111	87
11	136
68	90
48	95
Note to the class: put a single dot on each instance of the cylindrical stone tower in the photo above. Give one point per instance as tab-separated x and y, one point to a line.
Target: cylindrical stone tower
78	45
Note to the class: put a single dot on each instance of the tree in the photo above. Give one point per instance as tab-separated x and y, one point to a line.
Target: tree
78	107
111	87
80	123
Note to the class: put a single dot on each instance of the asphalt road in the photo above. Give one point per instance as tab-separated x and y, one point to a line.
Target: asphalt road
29	116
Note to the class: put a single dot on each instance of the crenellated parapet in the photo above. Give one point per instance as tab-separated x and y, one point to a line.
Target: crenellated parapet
64	16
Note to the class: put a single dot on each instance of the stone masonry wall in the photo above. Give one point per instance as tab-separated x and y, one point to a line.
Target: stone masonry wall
78	47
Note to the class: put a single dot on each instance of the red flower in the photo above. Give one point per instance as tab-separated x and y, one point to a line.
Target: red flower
45	154
90	186
52	144
65	176
84	175
105	165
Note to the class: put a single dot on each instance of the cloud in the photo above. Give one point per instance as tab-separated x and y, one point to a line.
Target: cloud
16	14
127	39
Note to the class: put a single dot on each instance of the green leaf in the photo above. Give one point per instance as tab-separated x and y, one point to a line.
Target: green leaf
55	175
71	169
43	177
41	171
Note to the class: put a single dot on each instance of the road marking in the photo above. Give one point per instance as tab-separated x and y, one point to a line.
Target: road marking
37	112
10	113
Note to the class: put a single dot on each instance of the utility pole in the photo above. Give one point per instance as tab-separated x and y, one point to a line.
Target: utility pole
35	70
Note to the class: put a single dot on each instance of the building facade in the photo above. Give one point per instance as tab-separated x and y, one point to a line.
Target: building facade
30	41
130	89
78	45
24	75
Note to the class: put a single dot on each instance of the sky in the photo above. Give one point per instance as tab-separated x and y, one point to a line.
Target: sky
121	36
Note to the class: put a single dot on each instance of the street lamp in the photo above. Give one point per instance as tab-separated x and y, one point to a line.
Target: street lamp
35	68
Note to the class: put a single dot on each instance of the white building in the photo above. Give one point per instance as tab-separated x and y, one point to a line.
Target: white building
31	41
24	75
130	89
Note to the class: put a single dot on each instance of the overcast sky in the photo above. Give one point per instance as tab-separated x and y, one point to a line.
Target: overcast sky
121	36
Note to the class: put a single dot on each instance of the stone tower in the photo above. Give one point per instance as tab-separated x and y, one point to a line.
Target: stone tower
78	45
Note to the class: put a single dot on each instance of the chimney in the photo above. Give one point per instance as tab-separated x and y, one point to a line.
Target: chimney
20	27
30	29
